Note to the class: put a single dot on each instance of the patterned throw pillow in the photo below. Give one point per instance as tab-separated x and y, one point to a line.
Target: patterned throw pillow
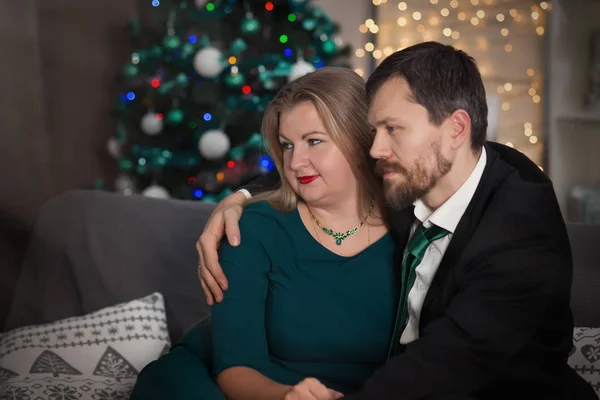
97	356
585	355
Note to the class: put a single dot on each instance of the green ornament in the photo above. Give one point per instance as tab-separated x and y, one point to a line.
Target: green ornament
182	79
329	46
130	70
125	165
238	46
166	87
256	140
250	25
269	84
172	42
234	80
187	50
175	116
237	153
160	161
309	24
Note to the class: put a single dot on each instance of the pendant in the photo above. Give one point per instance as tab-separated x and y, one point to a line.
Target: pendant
339	236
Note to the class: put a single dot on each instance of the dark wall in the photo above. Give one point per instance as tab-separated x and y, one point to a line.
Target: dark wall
58	63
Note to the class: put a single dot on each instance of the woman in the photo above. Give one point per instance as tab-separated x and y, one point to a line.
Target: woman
311	286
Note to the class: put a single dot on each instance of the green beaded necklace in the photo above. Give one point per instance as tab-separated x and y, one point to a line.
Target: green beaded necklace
340	236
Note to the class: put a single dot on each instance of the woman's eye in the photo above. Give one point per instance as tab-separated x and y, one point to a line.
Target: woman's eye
313	142
286	145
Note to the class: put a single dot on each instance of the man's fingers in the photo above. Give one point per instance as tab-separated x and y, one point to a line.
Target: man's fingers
210	259
302	391
207	293
318	390
231	218
211	284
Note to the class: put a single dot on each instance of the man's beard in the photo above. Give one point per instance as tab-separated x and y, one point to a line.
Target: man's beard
417	181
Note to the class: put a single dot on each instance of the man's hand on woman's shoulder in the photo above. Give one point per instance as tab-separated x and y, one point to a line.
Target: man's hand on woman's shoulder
222	221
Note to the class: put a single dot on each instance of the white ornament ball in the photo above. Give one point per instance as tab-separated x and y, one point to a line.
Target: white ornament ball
208	62
213	144
113	147
151	125
157	192
299	69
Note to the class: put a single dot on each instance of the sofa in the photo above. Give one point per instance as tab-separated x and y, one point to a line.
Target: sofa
93	250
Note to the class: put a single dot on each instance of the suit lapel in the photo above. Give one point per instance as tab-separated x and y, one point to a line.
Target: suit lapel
495	172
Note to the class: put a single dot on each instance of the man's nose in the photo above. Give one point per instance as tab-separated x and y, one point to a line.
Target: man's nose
381	147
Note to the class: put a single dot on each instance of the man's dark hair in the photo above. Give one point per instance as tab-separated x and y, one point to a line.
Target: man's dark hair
442	79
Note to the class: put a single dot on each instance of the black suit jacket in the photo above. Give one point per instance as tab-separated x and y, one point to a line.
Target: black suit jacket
496	322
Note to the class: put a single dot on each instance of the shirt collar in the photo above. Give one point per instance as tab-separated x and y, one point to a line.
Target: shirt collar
449	214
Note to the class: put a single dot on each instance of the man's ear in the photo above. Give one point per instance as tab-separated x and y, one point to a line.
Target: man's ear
461	128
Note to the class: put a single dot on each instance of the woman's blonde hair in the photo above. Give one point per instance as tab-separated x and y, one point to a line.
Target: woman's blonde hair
339	96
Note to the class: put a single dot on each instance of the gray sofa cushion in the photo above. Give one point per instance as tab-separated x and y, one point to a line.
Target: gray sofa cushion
90	250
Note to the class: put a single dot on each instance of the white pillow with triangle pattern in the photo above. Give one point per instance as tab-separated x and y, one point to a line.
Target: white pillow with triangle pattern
95	356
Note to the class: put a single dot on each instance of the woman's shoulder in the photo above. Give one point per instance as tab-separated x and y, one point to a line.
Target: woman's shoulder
261	216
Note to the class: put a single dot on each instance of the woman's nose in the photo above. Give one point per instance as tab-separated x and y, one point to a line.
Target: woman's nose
299	159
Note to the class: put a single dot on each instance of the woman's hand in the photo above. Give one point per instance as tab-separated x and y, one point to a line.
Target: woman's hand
312	389
223	220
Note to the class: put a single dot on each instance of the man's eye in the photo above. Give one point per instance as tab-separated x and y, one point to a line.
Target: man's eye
391	129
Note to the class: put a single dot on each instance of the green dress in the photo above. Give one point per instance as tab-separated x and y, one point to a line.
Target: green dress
294	309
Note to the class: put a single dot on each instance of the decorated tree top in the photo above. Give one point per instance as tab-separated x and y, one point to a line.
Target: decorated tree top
197	84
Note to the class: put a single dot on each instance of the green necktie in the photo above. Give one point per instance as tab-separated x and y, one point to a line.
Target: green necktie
415	251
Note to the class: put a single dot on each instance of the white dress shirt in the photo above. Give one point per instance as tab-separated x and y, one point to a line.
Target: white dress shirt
446	216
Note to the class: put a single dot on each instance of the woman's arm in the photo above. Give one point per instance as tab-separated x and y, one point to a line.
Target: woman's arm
243	383
240	352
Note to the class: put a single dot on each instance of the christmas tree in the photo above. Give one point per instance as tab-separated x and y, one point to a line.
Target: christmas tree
197	84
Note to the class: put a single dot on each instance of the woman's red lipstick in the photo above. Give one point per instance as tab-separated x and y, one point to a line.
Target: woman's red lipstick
305	180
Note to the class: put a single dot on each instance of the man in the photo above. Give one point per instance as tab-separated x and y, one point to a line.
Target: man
484	260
